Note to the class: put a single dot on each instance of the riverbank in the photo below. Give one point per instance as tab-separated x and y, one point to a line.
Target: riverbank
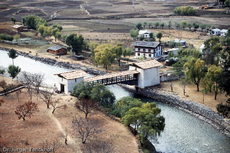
196	109
53	62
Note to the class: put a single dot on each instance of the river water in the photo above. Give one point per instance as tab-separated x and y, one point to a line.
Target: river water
183	132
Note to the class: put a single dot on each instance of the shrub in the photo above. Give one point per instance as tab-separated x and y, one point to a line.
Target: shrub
4	36
183	10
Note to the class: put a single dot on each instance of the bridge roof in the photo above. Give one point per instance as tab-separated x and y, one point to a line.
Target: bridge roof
147	64
110	75
72	74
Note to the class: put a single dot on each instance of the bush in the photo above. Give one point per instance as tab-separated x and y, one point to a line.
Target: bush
183	10
4	36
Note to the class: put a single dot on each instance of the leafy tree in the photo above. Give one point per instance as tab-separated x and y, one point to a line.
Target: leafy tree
195	26
152	37
195	71
146	119
101	94
178	69
13	71
185	10
144	24
13	19
138	25
57	35
203	26
126	103
41	29
170	24
183	24
2	72
96	92
211	79
159	35
92	46
104	55
150	24
189	26
4	36
211	50
26	110
17	37
129	51
12	54
76	42
33	21
227	3
141	37
162	25
177	25
156	24
47	31
54	31
133	33
118	49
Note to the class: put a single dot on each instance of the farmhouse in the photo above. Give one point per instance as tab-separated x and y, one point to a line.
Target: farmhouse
67	80
216	31
147	49
223	32
149	72
57	50
145	33
19	28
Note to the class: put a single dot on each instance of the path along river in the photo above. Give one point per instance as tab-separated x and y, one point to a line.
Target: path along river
183	132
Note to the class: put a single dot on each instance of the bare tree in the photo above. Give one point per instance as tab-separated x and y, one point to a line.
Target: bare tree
50	146
46	97
55	105
18	92
26	110
86	106
32	81
85	128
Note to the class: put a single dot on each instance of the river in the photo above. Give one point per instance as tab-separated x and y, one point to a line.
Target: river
183	132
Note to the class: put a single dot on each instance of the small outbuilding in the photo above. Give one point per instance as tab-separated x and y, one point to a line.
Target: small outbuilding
19	28
149	72
145	33
173	51
67	80
182	42
215	32
57	50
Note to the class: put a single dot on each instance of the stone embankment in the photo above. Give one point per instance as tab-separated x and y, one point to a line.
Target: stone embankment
198	110
60	64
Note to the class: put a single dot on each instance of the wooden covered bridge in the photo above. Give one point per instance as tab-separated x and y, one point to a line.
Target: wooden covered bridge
125	77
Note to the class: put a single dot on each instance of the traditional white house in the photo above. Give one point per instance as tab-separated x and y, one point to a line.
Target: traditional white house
215	31
223	32
149	72
67	80
145	33
148	49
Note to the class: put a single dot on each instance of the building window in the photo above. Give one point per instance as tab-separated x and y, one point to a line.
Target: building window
75	80
138	54
149	55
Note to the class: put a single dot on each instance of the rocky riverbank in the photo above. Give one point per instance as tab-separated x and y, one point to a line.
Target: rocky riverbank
60	64
200	111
